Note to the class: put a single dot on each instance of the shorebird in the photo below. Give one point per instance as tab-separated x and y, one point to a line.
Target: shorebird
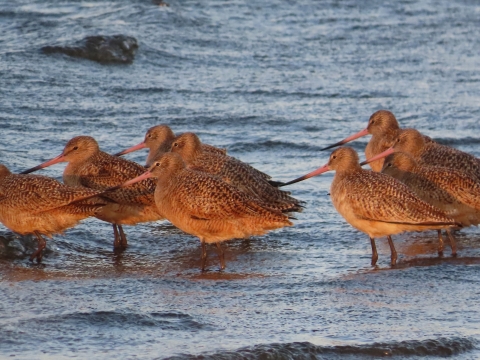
39	205
375	203
410	141
454	192
205	206
384	128
239	174
92	168
158	140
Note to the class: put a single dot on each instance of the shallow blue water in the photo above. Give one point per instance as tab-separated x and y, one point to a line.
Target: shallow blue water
273	83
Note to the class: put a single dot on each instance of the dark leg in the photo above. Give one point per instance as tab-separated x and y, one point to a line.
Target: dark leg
393	258
123	238
440	243
221	255
374	252
204	255
453	243
246	242
41	245
117	241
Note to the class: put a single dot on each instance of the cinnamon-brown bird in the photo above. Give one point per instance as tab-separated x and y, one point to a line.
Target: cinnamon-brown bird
205	206
239	174
410	141
158	140
384	128
42	206
375	203
92	168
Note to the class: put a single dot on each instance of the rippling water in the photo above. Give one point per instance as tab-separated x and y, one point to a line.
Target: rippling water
273	82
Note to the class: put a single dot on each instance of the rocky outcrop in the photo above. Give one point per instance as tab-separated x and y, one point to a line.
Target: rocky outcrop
115	49
160	3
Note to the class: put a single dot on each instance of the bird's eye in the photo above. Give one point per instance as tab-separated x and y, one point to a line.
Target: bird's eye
389	164
372	122
334	156
149	136
75	148
175	144
157	164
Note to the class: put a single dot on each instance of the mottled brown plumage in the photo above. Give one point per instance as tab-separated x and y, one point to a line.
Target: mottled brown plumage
454	192
33	204
92	168
158	140
430	153
205	206
243	176
375	203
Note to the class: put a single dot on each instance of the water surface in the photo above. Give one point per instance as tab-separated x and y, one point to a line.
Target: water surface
273	82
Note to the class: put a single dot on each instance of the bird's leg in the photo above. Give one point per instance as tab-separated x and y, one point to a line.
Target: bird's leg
393	258
246	242
41	245
116	241
221	255
204	254
453	243
374	252
123	238
440	243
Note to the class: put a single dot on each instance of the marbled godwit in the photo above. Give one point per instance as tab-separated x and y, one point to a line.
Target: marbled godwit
38	205
158	140
384	128
233	171
90	167
205	206
410	141
375	203
454	192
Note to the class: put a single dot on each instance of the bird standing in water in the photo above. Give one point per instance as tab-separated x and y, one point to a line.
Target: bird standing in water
375	203
39	205
453	191
92	168
207	207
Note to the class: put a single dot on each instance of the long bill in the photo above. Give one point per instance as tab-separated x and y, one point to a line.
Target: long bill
348	139
379	156
60	158
319	171
144	176
131	149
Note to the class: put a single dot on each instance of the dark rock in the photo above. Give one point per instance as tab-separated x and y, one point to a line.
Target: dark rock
160	3
115	49
14	246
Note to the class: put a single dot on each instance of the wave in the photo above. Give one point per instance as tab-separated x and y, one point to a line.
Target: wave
240	146
288	147
164	320
167	320
304	350
276	93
